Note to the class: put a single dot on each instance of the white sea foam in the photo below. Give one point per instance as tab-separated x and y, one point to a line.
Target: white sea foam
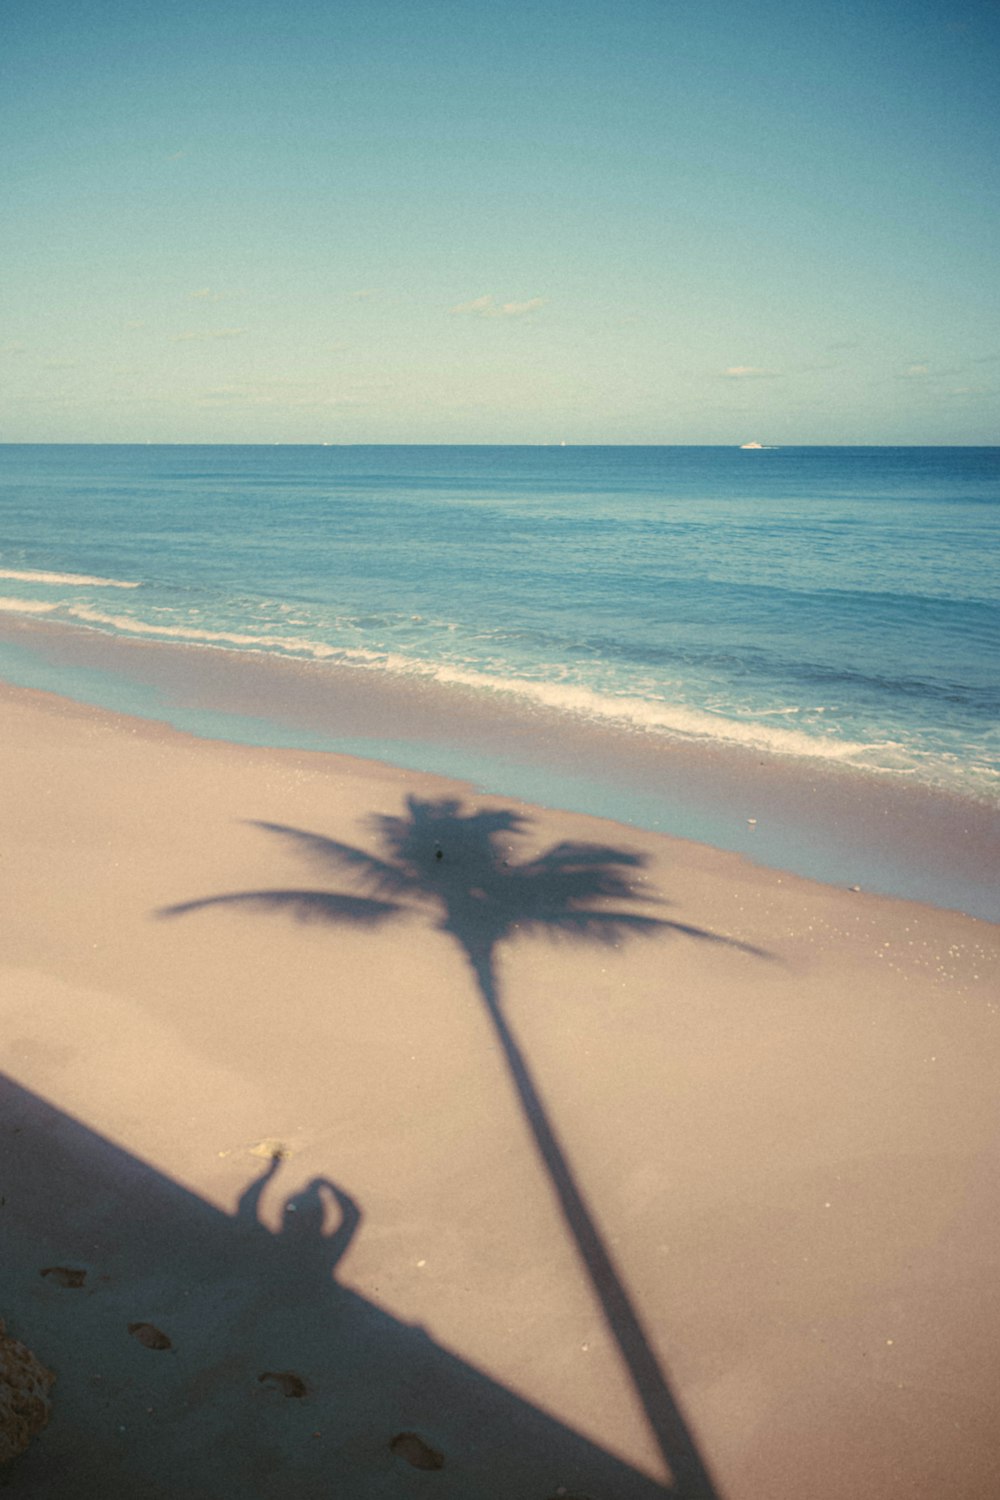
27	606
637	714
24	575
289	645
671	718
645	715
724	723
648	715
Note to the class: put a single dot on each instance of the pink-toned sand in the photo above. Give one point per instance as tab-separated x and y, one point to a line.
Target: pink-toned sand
792	1154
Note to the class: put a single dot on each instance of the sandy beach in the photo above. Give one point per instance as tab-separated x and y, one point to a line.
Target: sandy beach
745	1247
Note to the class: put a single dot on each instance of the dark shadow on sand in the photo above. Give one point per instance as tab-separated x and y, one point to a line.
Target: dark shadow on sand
278	1380
458	868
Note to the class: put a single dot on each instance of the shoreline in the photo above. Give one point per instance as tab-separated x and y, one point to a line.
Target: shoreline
836	823
780	1107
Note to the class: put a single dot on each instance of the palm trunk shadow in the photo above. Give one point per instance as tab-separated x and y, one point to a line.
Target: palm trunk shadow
670	1431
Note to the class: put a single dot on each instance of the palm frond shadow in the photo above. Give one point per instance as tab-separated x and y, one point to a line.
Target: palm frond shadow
304	906
456	868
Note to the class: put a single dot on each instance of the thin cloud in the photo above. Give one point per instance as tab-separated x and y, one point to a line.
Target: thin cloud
234	396
914	372
483	305
14	348
60	401
364	294
206	294
747	372
281	395
516	309
489	307
212	333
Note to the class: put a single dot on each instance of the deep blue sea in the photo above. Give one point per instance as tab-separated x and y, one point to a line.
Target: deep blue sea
840	604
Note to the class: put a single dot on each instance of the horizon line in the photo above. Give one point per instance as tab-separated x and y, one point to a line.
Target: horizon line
184	443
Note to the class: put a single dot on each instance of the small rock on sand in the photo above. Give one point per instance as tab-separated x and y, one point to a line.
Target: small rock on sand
24	1396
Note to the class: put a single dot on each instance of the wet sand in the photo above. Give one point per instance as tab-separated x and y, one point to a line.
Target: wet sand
830	821
726	1205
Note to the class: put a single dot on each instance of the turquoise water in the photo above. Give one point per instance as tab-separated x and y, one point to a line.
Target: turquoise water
835	604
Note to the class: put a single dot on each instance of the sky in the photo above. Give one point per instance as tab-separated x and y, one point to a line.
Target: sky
450	221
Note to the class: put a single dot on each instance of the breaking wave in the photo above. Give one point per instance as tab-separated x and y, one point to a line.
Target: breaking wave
752	729
81	580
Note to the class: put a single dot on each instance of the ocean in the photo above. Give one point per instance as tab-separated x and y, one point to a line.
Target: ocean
813	607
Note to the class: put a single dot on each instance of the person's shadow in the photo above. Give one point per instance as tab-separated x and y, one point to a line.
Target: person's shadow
309	1253
458	867
266	1375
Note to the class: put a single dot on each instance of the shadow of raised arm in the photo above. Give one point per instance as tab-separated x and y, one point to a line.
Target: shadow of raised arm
248	1207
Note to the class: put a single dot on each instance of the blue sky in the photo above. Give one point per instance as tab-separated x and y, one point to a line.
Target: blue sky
640	221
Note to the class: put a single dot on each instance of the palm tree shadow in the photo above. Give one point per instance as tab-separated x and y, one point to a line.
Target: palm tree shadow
457	867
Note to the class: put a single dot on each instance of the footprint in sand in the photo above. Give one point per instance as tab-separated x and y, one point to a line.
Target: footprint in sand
149	1336
285	1381
70	1276
415	1451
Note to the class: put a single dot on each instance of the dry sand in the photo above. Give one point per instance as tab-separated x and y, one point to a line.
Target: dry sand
791	1154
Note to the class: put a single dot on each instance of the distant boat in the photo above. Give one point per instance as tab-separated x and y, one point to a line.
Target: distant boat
751	445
